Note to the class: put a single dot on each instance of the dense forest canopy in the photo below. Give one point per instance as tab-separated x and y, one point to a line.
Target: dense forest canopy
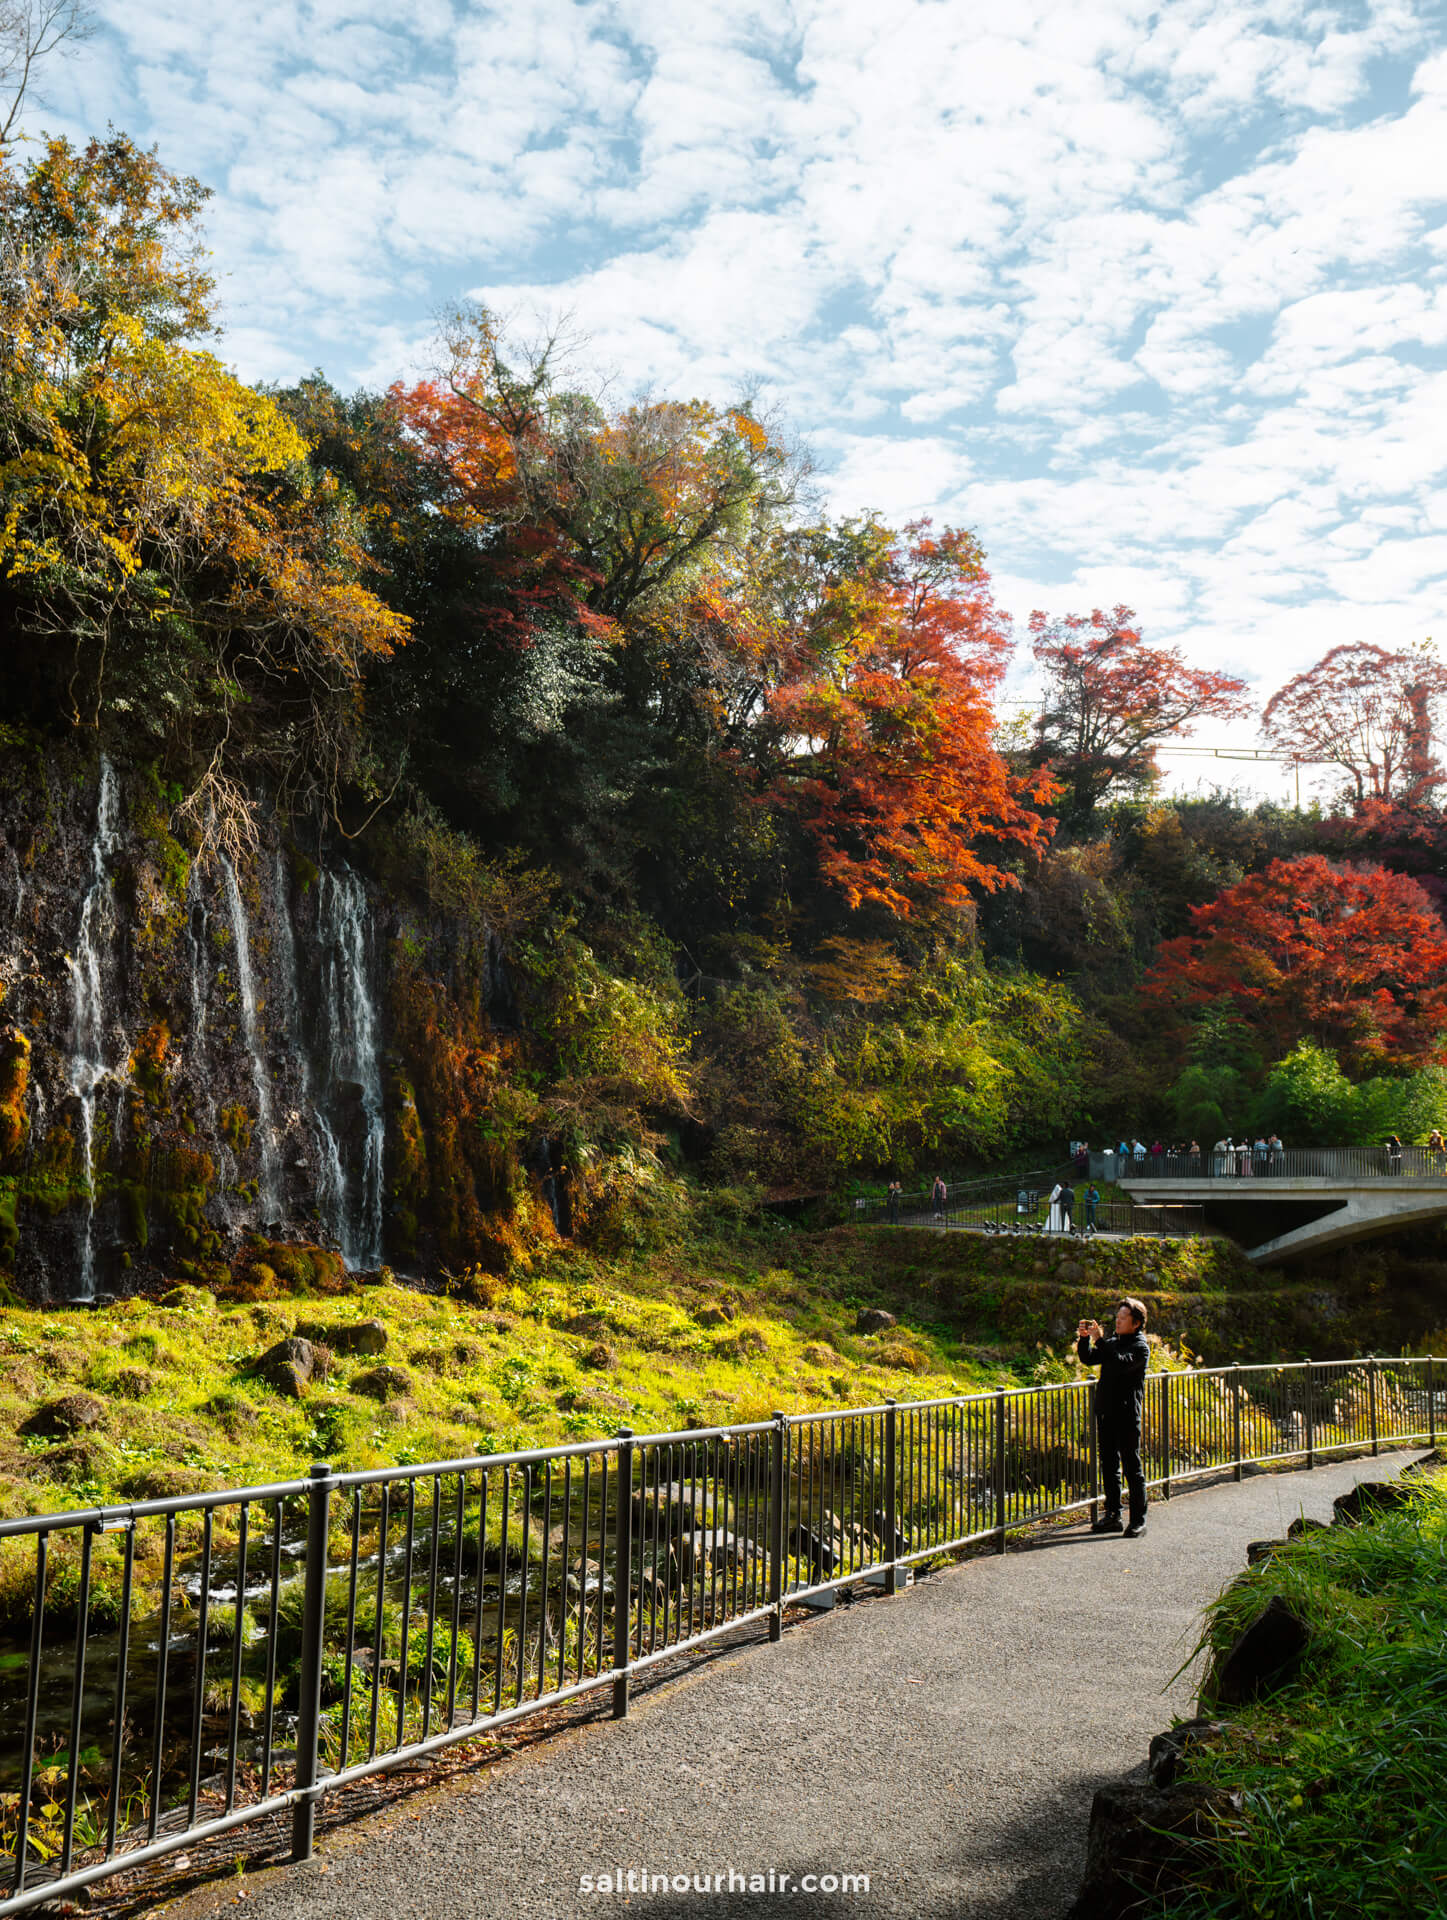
784	899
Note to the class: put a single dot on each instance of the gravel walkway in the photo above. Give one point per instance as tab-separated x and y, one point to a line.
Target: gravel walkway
946	1743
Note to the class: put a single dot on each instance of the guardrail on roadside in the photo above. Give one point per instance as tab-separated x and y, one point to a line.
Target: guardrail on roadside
195	1663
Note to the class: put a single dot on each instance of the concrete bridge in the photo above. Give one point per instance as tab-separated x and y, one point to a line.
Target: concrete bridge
1303	1199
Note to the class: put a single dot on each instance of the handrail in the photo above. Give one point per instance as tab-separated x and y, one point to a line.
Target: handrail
1343	1164
409	1608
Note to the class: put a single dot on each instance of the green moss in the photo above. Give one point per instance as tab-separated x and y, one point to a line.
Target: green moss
234	1126
55	1179
9	1232
151	809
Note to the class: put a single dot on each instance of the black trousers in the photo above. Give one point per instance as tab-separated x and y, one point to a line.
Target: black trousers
1120	1451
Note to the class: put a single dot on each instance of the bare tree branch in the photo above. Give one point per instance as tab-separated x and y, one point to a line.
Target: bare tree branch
30	31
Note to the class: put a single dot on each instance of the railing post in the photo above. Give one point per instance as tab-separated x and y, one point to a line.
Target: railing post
1094	1445
623	1573
999	1469
1166	1434
1372	1398
1431	1401
1236	1418
776	1525
1310	1414
313	1629
891	1494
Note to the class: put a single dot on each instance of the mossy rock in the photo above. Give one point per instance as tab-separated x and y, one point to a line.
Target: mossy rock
72	1413
163	1480
133	1383
190	1299
383	1383
233	1411
819	1356
747	1344
600	1357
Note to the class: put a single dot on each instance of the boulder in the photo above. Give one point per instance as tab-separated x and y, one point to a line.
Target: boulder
1303	1523
288	1366
72	1413
198	1299
357	1336
1257	1550
716	1315
1263	1658
383	1383
1368	1500
874	1320
1143	1842
590	1325
600	1357
1070	1273
1169	1749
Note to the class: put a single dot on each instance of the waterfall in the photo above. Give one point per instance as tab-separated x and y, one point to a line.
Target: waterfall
331	1181
196	930
269	1191
351	1039
87	1058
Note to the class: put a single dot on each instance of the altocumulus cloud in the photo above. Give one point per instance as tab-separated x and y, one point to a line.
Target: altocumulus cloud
1154	296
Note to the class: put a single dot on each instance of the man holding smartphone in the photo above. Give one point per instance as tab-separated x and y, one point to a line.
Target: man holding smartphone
1122	1358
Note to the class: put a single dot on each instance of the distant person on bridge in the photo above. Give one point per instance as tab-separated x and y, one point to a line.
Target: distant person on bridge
1122	1358
939	1193
895	1195
1393	1151
1067	1208
1092	1201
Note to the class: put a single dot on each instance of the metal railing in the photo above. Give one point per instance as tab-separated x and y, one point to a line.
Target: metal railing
1347	1165
192	1664
1029	1213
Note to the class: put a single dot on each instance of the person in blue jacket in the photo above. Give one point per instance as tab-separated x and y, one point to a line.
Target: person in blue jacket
1122	1358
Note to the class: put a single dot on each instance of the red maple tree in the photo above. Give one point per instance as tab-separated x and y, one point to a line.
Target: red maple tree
881	726
1352	956
1368	711
1110	700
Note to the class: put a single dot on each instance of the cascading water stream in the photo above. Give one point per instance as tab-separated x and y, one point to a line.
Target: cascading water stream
342	931
331	1180
269	1193
87	1058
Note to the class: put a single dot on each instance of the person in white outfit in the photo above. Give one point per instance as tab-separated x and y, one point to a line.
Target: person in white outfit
1055	1224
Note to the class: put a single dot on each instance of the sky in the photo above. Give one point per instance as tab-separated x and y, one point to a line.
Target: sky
1152	297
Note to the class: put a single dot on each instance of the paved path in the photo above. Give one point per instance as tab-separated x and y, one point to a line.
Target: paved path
946	1743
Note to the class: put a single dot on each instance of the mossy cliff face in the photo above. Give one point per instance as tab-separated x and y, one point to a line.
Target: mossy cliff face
191	1050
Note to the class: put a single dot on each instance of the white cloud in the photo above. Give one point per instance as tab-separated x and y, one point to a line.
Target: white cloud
1155	298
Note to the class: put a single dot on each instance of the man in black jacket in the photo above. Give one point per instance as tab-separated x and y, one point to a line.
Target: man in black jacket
1122	1359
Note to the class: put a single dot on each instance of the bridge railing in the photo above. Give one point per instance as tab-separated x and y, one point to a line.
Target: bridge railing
181	1667
1028	1212
1346	1165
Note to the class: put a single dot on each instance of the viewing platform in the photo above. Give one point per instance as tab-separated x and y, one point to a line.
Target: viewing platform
1318	1197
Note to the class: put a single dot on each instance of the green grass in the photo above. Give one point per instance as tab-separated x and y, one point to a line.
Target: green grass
1343	1771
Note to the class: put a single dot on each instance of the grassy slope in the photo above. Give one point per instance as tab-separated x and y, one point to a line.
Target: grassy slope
586	1345
1343	1770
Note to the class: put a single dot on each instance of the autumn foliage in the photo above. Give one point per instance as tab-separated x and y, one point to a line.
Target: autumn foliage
1110	700
882	729
1353	957
1368	712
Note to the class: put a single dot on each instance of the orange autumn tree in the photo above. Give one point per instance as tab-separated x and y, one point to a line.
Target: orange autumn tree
1354	957
879	726
1110	700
